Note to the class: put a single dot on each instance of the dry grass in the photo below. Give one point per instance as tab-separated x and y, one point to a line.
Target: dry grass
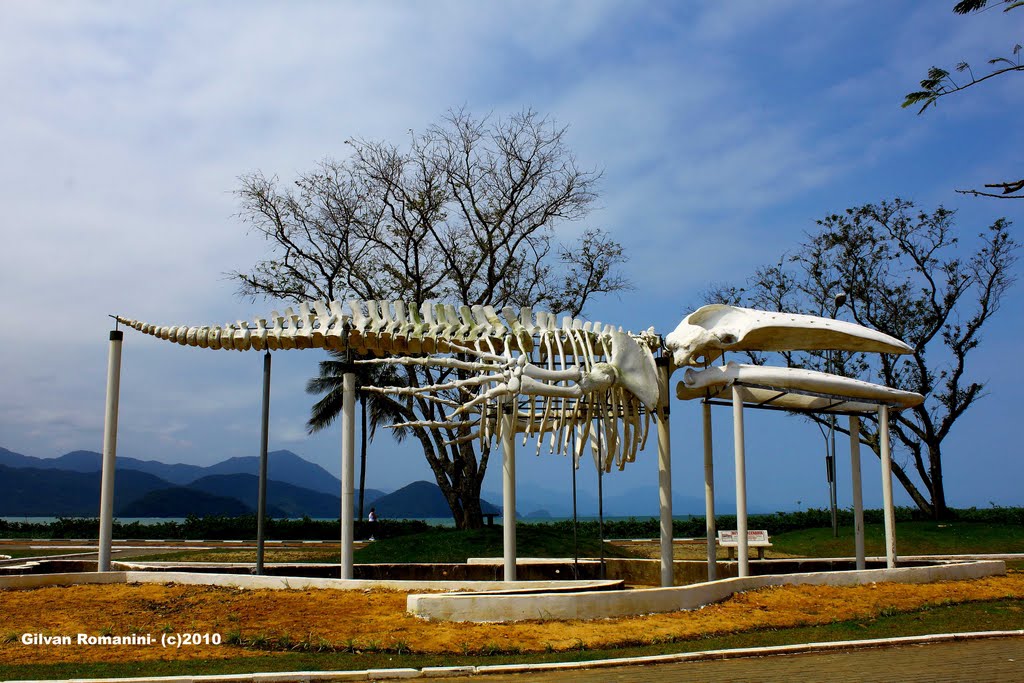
286	555
371	620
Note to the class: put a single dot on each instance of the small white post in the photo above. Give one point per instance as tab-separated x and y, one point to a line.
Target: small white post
709	492
348	470
743	550
665	473
261	496
858	498
109	449
890	510
508	488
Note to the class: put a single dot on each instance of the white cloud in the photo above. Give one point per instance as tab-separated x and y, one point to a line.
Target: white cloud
724	130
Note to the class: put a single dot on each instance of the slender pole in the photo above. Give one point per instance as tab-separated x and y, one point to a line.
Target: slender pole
709	492
261	501
362	452
575	518
742	551
858	498
890	511
508	488
348	448
109	449
600	494
665	472
832	498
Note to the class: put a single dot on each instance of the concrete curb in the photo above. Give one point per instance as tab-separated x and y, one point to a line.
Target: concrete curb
462	607
567	667
298	583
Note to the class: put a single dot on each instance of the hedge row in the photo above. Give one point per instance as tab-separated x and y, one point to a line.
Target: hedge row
218	528
209	528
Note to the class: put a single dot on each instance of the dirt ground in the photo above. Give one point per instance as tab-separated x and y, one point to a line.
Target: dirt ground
377	619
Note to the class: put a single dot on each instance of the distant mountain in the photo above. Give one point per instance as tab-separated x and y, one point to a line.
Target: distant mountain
12	459
417	500
69	485
293	501
283	466
36	492
181	501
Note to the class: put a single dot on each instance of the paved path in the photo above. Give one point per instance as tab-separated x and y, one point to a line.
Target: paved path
984	660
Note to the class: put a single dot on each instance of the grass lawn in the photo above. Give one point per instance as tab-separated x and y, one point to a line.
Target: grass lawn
977	616
271	554
40	552
912	538
451	545
439	544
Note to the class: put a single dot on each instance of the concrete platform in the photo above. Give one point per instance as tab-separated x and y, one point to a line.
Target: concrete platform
497	607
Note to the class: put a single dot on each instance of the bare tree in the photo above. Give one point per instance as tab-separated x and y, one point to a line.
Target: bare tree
904	273
940	83
465	214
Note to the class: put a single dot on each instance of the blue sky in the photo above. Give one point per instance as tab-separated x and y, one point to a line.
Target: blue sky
724	130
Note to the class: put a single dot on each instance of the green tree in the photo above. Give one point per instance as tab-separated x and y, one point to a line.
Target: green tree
375	410
465	214
941	83
905	273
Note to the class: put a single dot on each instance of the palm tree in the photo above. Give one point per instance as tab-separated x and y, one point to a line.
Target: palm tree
377	409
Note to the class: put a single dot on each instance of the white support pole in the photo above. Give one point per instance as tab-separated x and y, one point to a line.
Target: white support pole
709	492
348	470
743	550
261	496
858	498
890	510
508	488
665	473
109	449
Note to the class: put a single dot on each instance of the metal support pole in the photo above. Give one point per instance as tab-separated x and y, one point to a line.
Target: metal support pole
743	550
665	472
508	489
261	499
348	470
890	511
832	497
858	498
600	500
575	517
709	492
109	449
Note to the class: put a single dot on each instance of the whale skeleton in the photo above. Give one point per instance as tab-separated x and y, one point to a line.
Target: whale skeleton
556	378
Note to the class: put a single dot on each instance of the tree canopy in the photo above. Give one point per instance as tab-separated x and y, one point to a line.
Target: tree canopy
941	83
465	213
906	273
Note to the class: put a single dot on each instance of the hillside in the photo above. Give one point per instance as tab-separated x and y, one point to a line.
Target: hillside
282	465
292	501
35	492
172	501
420	499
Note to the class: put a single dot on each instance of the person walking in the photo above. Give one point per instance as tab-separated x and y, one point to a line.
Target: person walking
372	519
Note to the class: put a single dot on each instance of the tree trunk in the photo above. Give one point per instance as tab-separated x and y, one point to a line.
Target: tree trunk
939	509
472	516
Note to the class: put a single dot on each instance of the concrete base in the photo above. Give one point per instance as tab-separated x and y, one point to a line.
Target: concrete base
593	605
292	583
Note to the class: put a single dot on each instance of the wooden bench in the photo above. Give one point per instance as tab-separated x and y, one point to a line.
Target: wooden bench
489	516
756	538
